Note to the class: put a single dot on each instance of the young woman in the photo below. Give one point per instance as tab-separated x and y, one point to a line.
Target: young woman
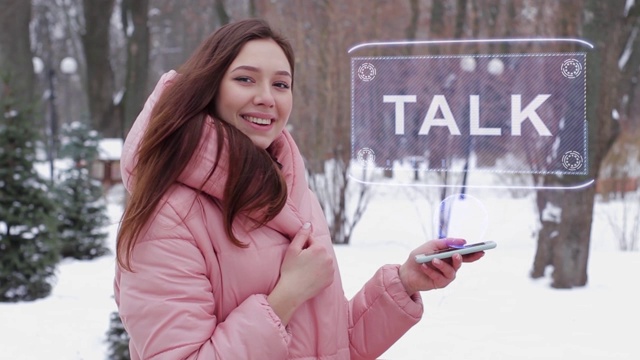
223	251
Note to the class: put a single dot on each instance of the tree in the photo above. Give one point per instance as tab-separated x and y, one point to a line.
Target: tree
610	27
117	339
568	24
100	75
136	31
82	207
15	47
28	245
223	16
333	189
323	79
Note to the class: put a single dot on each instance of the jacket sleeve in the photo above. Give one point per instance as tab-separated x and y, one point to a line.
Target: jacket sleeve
167	306
380	313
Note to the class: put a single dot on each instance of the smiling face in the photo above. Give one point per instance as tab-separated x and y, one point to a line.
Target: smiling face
255	93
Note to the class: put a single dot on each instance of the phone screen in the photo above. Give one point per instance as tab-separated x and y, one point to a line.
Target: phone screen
452	248
462	250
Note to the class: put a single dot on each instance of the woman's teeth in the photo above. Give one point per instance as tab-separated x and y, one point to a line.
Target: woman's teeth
258	121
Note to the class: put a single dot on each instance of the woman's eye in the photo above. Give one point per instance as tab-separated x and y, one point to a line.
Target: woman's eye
282	85
243	79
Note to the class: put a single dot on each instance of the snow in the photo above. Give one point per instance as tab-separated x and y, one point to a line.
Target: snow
110	149
627	6
628	49
117	98
552	213
493	310
59	165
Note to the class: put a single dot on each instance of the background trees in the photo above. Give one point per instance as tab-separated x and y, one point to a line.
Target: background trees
29	247
15	48
81	205
121	47
564	242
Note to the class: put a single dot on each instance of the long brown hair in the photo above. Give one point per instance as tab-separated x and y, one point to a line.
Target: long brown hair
254	184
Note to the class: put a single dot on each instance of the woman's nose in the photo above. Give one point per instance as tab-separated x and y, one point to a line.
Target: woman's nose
264	96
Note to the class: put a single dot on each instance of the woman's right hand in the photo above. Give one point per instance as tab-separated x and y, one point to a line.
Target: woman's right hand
308	268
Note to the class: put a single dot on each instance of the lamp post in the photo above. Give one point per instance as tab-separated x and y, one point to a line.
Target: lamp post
52	121
467	64
68	66
495	67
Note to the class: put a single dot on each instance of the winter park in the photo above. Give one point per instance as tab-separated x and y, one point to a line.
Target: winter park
509	122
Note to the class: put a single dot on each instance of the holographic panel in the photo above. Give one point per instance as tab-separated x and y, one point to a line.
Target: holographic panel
510	113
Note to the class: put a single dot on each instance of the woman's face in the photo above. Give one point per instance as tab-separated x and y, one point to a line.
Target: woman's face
255	94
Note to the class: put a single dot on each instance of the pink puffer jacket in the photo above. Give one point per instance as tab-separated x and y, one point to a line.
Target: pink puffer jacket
195	295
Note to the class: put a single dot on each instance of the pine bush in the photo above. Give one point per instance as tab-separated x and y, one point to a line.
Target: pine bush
83	211
29	248
117	339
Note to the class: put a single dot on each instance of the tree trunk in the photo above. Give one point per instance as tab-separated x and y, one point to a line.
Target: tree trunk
223	15
547	234
550	202
137	59
571	254
15	50
100	76
567	237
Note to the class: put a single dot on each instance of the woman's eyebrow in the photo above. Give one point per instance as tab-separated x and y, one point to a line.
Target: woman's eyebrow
255	69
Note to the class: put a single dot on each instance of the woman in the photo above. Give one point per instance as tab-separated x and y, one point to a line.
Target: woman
223	251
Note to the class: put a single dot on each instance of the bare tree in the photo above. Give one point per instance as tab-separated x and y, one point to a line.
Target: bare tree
100	76
567	22
609	27
15	49
617	185
321	118
137	35
221	10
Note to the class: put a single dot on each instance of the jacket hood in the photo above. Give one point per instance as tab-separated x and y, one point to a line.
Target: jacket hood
284	149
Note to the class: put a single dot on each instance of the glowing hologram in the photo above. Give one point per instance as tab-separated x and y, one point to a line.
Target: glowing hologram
461	216
471	41
511	108
497	187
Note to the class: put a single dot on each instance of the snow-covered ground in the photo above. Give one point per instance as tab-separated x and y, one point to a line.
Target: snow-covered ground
492	311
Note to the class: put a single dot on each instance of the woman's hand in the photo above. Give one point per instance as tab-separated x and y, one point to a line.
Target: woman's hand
308	268
437	273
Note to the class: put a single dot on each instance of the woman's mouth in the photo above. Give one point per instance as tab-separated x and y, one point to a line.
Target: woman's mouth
256	120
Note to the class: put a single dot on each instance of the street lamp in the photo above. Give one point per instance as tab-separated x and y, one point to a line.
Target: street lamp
38	65
38	68
467	64
68	66
495	67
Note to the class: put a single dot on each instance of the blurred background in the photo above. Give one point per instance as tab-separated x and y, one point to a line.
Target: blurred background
74	75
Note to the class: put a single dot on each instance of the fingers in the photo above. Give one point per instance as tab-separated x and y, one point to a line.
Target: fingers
453	242
301	238
444	243
456	262
448	271
472	257
440	272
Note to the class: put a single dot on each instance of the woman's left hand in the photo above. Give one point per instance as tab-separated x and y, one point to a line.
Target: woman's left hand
436	274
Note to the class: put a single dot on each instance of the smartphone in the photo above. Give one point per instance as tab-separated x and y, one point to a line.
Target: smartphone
462	250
